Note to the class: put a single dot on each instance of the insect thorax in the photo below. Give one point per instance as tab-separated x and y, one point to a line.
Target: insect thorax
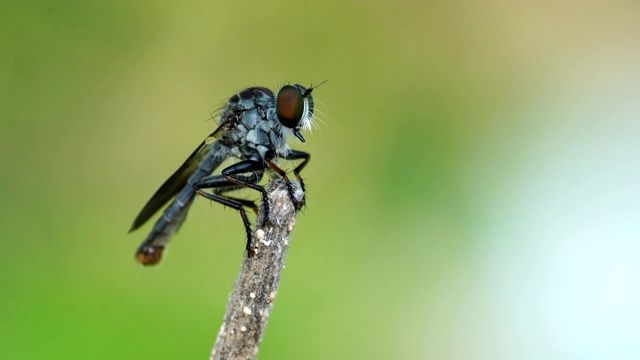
252	127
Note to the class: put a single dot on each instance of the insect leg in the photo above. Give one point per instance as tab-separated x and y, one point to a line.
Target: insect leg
295	155
247	166
225	182
219	184
234	205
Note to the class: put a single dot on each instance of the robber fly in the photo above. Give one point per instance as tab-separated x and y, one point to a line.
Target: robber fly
254	127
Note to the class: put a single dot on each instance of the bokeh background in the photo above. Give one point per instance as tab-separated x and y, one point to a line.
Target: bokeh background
474	189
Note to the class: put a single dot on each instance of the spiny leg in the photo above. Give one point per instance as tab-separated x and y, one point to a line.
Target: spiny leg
295	155
244	202
249	166
222	183
234	205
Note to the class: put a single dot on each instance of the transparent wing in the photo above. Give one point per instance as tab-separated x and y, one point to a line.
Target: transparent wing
176	182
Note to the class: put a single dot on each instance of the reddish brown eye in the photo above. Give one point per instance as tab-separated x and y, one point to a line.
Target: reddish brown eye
289	106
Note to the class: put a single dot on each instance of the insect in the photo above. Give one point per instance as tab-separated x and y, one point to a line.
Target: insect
253	127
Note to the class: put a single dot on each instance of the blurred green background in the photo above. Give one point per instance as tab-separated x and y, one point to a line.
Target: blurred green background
474	190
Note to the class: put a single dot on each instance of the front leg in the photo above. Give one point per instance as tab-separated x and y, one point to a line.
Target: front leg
294	199
295	155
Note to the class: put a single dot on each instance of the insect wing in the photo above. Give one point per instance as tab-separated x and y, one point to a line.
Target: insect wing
175	183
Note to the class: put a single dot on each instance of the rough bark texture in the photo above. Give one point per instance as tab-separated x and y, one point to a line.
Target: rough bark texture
251	301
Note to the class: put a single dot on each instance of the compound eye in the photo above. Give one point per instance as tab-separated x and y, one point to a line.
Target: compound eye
289	106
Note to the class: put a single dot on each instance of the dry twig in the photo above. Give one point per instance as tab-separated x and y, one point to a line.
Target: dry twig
251	301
